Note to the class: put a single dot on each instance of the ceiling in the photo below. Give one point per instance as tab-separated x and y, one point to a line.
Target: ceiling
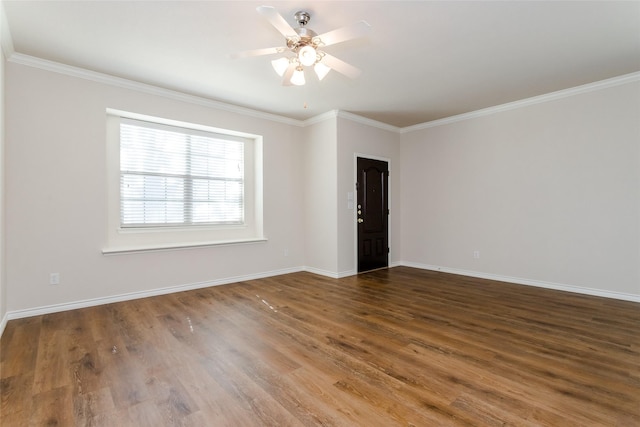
422	60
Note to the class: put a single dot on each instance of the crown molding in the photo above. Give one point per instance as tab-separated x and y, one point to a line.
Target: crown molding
321	118
333	114
120	82
57	67
365	121
552	96
22	59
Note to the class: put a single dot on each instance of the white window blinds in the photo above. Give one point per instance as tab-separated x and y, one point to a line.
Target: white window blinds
172	176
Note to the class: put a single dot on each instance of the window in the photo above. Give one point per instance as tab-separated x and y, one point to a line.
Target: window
177	176
174	184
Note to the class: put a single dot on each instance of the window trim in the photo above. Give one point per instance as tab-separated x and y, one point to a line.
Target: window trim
121	239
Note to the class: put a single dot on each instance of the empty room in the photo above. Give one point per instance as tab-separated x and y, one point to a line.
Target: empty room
337	213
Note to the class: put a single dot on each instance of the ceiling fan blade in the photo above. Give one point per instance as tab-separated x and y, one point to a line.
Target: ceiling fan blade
349	32
277	20
258	52
286	78
340	66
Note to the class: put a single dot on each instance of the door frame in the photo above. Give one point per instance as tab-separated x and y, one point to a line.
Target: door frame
354	213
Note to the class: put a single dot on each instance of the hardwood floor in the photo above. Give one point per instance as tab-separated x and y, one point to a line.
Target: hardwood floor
401	347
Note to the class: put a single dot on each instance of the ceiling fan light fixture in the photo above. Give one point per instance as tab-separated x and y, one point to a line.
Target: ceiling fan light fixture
280	65
298	77
302	47
321	70
307	55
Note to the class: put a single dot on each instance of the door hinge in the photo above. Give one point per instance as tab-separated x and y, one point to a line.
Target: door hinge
388	250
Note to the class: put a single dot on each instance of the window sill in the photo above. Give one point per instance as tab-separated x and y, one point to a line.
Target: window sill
178	246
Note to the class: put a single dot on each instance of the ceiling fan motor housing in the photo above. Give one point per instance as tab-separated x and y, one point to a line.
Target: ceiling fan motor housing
302	18
306	36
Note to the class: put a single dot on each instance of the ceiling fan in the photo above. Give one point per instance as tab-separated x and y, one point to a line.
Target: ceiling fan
304	48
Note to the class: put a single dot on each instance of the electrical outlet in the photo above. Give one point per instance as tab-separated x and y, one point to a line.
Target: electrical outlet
476	254
54	278
286	252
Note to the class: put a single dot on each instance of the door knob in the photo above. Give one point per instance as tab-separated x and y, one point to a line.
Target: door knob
360	220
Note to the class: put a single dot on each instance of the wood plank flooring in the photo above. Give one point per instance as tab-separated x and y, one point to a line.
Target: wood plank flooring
397	347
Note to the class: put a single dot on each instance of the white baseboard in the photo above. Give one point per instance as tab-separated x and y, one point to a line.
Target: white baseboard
346	273
54	308
3	322
341	274
321	272
18	314
528	282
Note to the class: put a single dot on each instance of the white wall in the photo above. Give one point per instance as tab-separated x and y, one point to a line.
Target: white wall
3	291
548	193
331	144
319	205
56	201
358	138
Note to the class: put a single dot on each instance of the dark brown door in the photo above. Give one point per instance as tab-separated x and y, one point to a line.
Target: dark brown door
373	214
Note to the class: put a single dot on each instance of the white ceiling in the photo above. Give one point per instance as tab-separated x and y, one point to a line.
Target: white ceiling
423	60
